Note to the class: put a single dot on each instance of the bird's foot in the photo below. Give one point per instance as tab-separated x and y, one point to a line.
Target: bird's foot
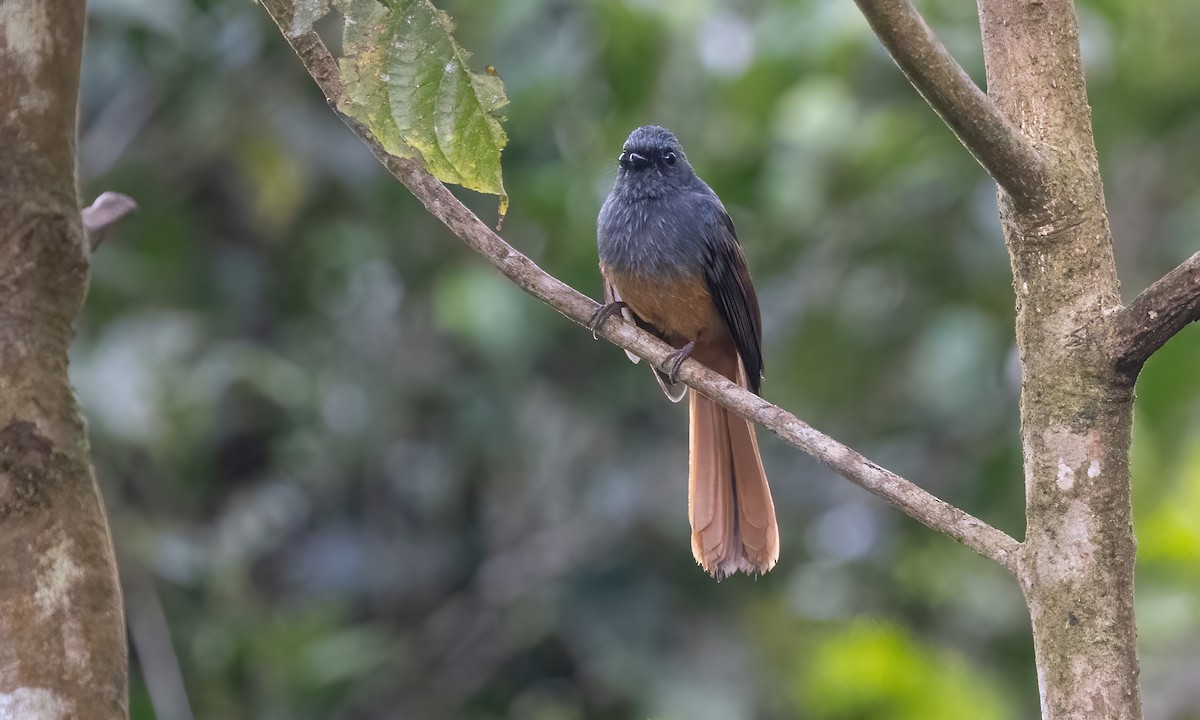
676	360
605	312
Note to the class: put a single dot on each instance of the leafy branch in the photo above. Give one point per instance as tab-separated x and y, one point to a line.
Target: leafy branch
441	203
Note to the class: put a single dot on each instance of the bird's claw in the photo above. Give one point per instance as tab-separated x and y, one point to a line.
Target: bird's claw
676	359
606	311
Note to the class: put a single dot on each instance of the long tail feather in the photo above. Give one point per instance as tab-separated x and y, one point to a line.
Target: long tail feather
729	501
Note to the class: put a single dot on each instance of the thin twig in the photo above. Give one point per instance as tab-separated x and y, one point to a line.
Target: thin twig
103	213
151	636
441	203
1007	155
1153	318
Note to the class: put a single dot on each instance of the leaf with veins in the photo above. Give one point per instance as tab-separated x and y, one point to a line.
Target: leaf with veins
410	83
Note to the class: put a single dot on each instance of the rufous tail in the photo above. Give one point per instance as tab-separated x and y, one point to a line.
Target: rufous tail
729	501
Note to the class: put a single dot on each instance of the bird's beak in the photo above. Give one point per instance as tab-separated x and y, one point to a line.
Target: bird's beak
635	161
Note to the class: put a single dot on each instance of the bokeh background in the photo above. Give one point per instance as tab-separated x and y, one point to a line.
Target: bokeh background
354	473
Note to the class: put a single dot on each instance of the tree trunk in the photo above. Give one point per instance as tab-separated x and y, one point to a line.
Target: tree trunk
1076	408
62	633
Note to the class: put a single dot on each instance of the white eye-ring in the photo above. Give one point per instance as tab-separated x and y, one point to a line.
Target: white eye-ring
669	157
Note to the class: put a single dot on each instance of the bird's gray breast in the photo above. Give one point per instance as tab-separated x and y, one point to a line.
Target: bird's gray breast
655	236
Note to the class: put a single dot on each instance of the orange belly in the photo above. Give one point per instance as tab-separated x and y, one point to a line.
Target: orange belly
682	311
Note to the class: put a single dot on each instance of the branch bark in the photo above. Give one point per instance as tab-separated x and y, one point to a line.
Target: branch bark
441	203
1007	155
61	622
1154	317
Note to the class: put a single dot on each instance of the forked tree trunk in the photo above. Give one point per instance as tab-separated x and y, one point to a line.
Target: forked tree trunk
1076	407
62	631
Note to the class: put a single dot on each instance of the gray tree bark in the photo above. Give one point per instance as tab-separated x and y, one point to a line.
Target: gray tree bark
62	631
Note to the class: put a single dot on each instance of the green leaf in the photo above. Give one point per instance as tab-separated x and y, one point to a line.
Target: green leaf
410	83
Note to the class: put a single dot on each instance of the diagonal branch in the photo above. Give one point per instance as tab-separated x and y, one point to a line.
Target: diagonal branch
1153	318
1007	155
441	203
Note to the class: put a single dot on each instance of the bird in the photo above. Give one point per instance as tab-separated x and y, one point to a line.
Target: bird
672	263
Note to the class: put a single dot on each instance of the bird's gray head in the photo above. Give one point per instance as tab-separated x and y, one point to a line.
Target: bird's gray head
652	161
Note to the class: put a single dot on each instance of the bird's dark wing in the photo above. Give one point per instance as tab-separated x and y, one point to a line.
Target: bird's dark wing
728	281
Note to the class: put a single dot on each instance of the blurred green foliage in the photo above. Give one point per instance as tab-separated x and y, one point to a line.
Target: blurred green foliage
880	672
369	478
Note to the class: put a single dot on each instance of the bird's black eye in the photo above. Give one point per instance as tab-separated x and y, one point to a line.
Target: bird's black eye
669	157
622	158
